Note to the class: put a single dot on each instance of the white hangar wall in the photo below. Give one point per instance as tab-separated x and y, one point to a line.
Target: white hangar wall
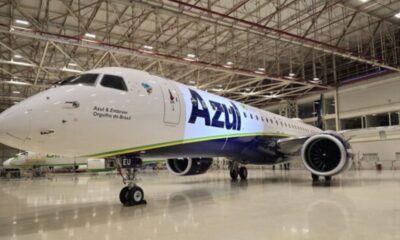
368	103
381	94
362	101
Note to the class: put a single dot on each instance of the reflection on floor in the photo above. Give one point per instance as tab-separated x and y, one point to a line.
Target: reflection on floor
273	205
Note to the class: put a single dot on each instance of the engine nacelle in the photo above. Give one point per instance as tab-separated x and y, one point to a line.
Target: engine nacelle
188	166
326	154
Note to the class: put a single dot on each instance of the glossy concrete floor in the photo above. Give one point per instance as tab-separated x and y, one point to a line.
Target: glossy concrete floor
270	205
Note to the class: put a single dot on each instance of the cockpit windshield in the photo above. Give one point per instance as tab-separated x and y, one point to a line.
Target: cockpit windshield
22	153
88	79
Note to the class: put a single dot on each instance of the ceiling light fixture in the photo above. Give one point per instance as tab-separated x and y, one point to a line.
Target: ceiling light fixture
70	70
191	57
16	92
271	96
217	89
260	70
397	15
228	64
19	63
90	35
22	22
17	82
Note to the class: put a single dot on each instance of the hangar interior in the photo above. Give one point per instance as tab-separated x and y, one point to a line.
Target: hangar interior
277	55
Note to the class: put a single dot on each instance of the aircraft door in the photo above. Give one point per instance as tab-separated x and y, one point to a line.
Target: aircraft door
172	102
68	112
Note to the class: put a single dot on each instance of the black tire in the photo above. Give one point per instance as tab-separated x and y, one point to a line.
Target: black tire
124	196
315	178
234	174
328	178
243	173
136	195
328	181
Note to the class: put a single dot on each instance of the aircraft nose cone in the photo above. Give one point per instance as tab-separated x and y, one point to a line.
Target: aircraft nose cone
14	125
2	128
7	164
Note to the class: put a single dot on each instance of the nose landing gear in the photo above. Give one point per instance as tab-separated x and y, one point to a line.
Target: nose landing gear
315	180
131	194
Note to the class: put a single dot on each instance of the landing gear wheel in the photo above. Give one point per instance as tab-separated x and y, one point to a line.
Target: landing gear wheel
131	194
328	180
315	178
234	174
243	173
124	196
136	195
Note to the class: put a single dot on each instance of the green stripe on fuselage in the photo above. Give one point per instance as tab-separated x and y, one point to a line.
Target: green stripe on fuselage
180	142
48	165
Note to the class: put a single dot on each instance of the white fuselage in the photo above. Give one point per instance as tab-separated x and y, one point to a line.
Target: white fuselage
30	160
153	113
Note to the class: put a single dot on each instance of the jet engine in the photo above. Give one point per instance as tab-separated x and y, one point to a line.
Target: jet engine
326	154
188	166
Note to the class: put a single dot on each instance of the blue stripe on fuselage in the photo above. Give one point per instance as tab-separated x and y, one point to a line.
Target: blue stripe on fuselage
252	149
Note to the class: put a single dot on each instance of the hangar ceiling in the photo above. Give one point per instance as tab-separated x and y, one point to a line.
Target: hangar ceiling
254	51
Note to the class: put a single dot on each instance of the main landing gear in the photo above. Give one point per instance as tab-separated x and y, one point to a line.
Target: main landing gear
315	179
131	194
236	170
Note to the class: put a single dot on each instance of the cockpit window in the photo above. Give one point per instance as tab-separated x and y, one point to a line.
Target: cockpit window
115	82
22	153
88	79
60	82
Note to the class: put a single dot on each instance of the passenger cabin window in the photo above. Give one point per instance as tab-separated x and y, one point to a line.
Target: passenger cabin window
115	82
88	79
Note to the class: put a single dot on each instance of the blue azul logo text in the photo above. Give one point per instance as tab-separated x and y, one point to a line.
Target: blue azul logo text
223	116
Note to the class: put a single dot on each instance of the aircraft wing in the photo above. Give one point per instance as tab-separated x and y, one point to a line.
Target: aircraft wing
353	133
291	145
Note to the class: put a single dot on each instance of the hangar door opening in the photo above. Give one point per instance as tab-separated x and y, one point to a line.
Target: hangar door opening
172	103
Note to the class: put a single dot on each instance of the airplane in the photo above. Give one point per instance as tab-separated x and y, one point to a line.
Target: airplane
131	114
31	160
